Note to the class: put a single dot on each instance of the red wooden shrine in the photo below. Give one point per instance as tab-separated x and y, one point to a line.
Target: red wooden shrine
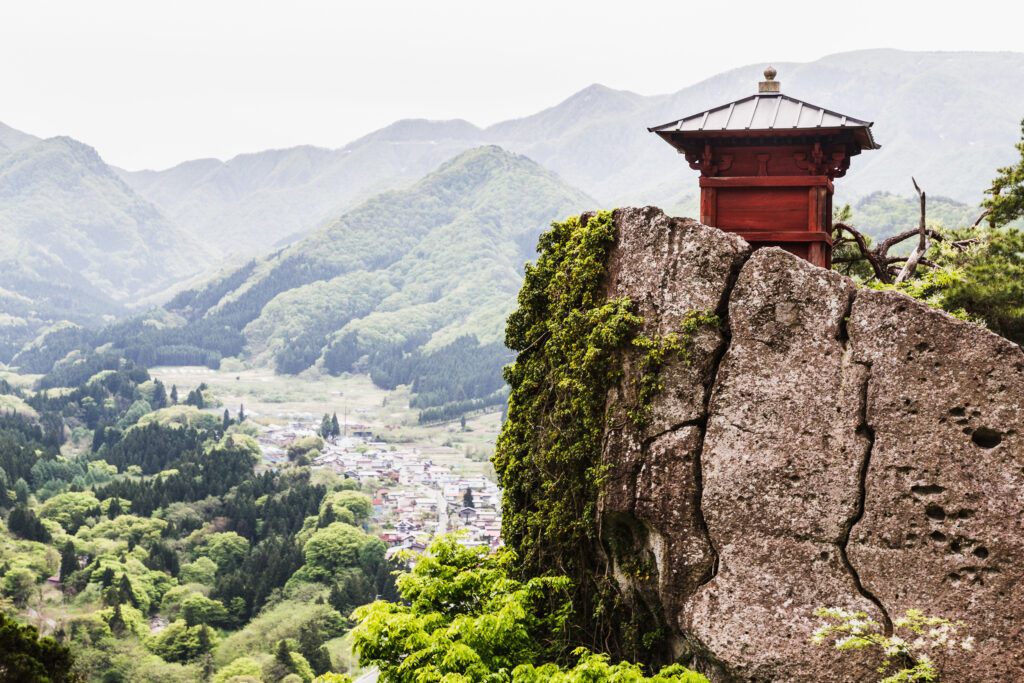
766	165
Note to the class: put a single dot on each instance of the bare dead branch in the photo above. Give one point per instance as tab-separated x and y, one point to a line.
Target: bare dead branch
981	217
922	245
964	245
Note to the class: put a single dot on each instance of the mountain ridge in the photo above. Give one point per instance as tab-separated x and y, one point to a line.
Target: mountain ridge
925	105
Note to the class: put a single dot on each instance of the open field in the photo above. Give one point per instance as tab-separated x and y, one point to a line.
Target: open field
269	398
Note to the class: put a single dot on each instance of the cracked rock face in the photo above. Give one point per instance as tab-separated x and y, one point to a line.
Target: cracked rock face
943	526
826	447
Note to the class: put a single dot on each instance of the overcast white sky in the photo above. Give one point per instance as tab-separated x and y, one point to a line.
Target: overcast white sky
152	84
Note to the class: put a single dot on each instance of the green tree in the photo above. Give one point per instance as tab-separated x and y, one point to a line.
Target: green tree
68	561
467	499
983	278
227	550
1007	201
26	657
180	642
311	646
340	546
463	617
159	395
335	426
18	584
326	430
125	592
198	609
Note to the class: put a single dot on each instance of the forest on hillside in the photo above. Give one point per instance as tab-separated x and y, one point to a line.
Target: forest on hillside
163	513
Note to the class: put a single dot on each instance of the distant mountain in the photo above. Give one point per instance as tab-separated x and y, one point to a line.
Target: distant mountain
405	269
948	118
12	140
76	242
256	201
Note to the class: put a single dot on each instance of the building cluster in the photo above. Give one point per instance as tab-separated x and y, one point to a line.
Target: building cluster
414	498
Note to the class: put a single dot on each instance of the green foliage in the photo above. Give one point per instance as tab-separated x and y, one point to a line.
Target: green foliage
283	621
566	335
26	657
226	549
358	505
339	546
982	280
201	571
1007	201
985	280
548	455
180	642
18	584
909	656
464	619
243	666
71	509
595	668
657	349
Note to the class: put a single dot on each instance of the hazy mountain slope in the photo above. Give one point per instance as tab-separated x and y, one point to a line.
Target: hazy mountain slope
412	267
73	216
12	140
253	201
76	243
948	118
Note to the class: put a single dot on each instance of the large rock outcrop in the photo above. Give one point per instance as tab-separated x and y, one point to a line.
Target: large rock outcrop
825	446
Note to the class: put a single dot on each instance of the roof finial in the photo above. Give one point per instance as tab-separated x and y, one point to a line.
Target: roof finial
769	85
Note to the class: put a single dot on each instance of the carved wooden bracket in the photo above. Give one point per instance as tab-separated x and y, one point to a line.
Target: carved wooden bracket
815	162
705	162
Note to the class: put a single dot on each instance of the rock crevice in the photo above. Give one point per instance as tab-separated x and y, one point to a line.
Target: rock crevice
824	447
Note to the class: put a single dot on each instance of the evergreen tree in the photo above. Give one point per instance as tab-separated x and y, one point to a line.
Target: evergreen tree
114	508
116	621
335	426
125	594
325	427
159	395
336	599
26	657
241	413
311	646
21	491
68	562
327	517
107	577
1007	202
283	655
467	499
174	394
227	420
24	523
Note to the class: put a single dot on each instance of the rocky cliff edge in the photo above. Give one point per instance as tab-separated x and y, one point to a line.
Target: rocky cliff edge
824	447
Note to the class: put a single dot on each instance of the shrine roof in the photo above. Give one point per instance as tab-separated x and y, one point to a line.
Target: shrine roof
766	113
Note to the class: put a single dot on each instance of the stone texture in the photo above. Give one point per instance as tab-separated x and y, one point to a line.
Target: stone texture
650	513
669	267
943	527
813	454
781	463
